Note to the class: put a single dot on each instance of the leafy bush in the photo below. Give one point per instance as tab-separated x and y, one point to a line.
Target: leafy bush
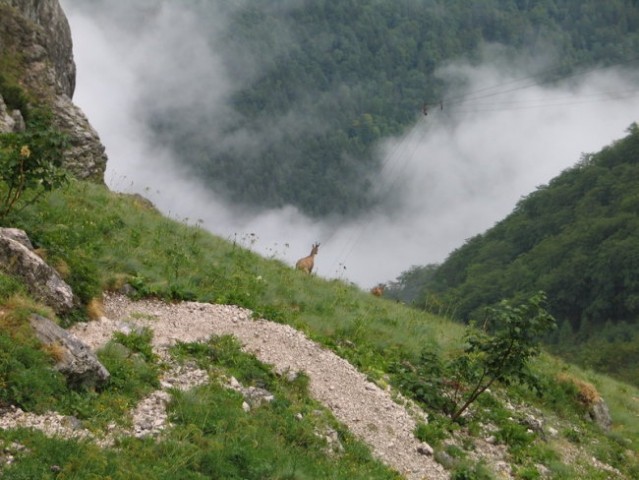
528	473
84	277
30	162
503	354
27	377
498	352
425	379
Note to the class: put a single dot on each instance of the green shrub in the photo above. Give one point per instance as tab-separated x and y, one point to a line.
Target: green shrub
425	379
14	97
514	435
30	163
528	473
27	376
502	349
84	278
138	342
468	471
433	432
131	373
9	287
573	435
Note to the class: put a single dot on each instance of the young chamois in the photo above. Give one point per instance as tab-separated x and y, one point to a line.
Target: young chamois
306	264
378	291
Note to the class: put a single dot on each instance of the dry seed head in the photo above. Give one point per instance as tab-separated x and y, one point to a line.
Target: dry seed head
95	308
55	351
587	394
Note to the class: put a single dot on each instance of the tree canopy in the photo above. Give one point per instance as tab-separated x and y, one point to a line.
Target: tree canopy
576	238
319	83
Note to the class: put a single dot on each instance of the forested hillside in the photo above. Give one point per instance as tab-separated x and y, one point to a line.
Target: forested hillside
318	83
577	239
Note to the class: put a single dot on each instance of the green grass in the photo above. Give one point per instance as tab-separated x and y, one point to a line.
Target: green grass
103	240
212	436
29	381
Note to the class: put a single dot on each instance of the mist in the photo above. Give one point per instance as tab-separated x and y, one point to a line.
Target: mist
456	172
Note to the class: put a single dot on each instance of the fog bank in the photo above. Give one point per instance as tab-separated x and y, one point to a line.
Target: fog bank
459	169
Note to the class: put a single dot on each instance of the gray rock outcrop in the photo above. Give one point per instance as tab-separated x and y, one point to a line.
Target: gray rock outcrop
18	235
50	18
10	120
600	414
74	359
85	156
37	33
42	281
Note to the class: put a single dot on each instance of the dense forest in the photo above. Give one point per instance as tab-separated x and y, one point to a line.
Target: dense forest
320	82
577	239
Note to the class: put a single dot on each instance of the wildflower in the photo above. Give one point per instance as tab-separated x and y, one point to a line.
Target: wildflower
25	151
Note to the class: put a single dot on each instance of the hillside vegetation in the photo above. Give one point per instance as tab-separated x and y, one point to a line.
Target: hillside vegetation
319	83
101	240
577	239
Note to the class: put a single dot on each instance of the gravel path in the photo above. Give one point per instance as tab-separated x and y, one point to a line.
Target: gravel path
368	411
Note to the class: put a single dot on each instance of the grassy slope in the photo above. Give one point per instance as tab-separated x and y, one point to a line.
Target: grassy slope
102	240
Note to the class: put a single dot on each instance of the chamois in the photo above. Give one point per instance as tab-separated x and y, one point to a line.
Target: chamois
378	291
306	264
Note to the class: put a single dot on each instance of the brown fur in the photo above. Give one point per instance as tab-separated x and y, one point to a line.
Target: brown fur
306	264
378	291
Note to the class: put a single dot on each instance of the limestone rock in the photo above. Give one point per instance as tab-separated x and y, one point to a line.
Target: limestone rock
17	235
38	32
7	123
253	396
18	121
42	281
50	17
10	121
600	414
86	156
425	449
76	361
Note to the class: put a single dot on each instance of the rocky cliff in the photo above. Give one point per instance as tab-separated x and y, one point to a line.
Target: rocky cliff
36	53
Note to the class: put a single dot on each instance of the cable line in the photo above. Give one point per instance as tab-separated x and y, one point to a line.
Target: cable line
392	167
392	159
477	94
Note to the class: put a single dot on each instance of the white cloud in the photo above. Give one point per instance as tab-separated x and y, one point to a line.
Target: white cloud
453	175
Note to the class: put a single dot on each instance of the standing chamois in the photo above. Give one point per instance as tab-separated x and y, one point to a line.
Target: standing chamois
306	264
